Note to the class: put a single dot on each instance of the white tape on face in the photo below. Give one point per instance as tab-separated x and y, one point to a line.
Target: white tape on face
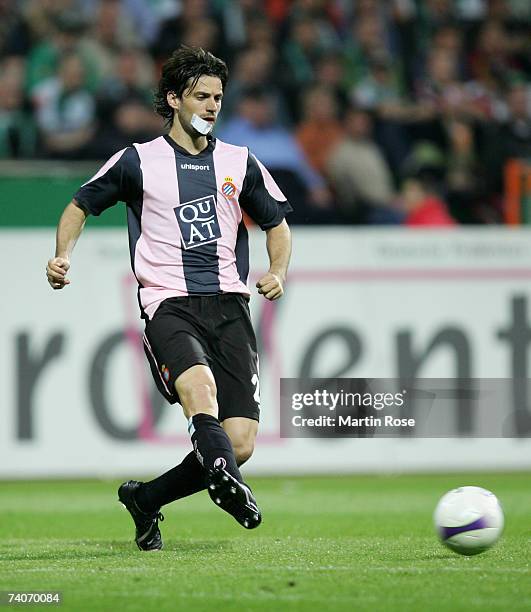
202	126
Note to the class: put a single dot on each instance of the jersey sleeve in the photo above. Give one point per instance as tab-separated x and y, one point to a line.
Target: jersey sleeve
118	180
261	197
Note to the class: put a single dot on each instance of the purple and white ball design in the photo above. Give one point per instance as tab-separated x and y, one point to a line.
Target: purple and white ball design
469	520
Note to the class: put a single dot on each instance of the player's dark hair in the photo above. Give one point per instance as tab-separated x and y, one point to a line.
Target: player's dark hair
180	73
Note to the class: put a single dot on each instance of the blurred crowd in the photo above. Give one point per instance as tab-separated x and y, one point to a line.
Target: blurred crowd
364	111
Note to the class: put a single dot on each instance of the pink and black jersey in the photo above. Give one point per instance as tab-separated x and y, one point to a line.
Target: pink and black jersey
184	215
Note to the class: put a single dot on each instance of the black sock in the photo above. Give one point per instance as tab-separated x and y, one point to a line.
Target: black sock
184	479
212	444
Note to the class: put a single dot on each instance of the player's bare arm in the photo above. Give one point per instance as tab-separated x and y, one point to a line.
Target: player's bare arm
278	244
69	228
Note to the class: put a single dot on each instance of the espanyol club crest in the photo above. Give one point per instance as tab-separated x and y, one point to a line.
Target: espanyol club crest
228	188
198	222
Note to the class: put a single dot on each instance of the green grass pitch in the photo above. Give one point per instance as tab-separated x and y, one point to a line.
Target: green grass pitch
326	543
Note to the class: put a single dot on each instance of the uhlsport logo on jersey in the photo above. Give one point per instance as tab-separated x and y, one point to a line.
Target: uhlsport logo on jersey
195	167
198	222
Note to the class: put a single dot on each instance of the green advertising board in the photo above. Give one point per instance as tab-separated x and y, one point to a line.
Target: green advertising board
34	194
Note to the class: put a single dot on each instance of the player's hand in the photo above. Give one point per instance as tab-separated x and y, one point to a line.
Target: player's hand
56	272
270	286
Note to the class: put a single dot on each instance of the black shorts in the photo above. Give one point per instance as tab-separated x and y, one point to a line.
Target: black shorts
213	330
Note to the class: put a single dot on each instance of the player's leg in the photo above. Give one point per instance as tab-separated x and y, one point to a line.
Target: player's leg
235	367
181	481
144	499
172	344
190	477
196	391
242	433
238	501
198	396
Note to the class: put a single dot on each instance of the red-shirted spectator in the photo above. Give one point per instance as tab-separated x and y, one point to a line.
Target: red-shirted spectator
423	206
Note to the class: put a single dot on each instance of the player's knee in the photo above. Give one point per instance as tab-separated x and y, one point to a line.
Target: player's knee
243	451
198	396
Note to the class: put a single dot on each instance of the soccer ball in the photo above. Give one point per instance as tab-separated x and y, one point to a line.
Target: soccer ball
469	520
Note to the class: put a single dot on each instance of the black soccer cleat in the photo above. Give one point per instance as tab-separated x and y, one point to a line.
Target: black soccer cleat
234	497
147	535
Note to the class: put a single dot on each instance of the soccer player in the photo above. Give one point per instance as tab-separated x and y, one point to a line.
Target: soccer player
185	193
